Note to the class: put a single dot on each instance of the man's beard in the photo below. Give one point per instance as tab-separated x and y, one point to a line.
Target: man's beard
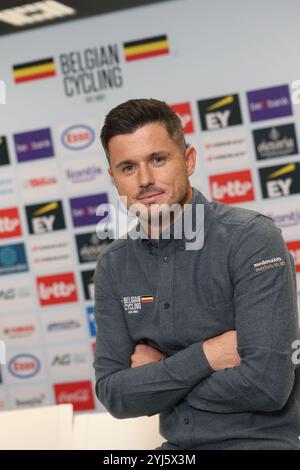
158	217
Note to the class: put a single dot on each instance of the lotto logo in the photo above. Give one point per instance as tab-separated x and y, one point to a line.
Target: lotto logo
57	289
10	225
184	112
231	188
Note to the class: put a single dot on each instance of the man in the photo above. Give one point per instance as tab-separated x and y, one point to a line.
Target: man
216	323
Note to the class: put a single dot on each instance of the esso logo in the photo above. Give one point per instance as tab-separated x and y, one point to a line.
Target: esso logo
24	366
78	137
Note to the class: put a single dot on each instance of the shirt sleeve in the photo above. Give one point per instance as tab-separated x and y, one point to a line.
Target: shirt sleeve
265	303
145	390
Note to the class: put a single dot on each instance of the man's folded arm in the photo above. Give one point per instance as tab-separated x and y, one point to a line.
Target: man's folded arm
265	303
145	390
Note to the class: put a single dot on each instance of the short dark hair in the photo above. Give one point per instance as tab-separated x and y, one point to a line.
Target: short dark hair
127	117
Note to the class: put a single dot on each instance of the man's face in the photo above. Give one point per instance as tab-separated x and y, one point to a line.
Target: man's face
149	168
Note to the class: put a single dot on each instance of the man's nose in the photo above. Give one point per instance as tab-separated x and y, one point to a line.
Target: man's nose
145	175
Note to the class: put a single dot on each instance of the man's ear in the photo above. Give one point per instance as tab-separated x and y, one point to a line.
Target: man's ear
190	159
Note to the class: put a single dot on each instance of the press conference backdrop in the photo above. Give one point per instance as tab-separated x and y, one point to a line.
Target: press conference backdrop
226	68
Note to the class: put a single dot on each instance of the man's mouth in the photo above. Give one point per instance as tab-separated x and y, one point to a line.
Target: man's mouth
150	197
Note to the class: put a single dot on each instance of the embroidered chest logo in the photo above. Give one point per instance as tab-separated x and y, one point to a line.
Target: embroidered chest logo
134	303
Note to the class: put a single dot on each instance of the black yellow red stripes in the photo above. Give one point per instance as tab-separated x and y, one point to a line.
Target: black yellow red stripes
147	298
147	47
36	70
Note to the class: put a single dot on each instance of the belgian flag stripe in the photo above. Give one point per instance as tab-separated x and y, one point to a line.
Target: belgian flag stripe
27	78
147	47
34	70
144	41
146	54
147	299
33	64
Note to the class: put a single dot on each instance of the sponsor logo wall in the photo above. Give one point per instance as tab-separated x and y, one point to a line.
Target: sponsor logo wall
46	233
53	177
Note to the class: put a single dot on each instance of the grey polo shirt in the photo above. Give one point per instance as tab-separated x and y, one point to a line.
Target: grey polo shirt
242	279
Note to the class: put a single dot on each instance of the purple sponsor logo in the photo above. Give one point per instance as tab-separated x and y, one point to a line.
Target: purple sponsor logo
85	175
286	219
269	103
84	209
33	145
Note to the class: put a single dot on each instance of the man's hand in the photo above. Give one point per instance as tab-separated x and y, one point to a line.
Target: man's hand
221	351
144	354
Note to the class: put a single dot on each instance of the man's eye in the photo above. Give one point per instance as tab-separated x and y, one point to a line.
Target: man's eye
158	159
127	169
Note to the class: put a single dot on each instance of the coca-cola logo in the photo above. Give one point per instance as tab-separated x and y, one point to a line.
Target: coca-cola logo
79	394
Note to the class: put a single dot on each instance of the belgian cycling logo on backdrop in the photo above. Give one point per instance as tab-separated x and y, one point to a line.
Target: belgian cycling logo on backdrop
28	71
